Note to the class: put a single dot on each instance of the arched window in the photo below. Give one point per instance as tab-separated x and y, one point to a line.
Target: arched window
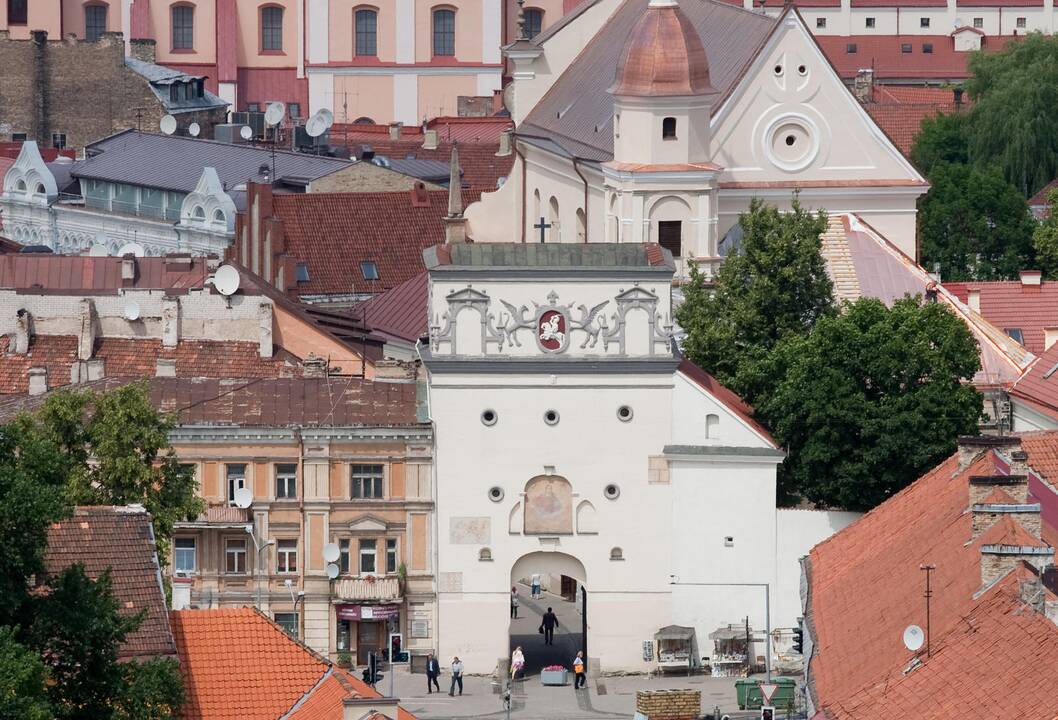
534	22
582	226
668	128
198	213
444	32
95	22
183	27
366	22
272	29
712	425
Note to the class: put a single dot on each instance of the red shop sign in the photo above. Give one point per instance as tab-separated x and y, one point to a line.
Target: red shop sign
366	612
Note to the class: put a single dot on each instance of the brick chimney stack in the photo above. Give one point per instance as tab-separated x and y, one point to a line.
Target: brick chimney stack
972	447
144	49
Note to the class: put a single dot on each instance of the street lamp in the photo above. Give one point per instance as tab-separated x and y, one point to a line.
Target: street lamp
260	548
295	599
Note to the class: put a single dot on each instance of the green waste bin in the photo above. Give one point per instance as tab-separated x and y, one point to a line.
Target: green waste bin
749	698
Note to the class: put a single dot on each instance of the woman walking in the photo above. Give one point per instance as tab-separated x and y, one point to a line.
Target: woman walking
457	676
517	663
514	602
579	678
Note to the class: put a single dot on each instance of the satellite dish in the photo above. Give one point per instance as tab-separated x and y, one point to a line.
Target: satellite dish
134	249
243	497
315	126
98	250
914	638
194	129
246	133
167	124
330	552
275	112
132	310
332	571
226	280
327	116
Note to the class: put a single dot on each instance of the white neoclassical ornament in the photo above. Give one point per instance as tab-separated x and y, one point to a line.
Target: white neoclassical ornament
208	207
29	179
791	141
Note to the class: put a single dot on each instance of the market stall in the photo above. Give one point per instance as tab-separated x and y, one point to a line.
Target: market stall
731	651
676	647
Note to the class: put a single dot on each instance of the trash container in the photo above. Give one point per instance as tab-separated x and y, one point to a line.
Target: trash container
749	698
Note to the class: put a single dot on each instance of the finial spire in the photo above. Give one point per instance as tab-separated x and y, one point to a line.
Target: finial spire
455	184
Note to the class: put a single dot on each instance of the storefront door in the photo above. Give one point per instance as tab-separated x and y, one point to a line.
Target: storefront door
369	640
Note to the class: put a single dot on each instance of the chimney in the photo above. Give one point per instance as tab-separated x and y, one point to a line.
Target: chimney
984	486
972	447
394	130
1005	544
394	371
86	338
863	85
143	49
957	93
314	366
128	270
1031	278
429	139
506	144
973	299
38	380
264	330
497	101
669	704
455	223
178	262
23	331
84	371
170	322
999	504
419	196
357	708
165	367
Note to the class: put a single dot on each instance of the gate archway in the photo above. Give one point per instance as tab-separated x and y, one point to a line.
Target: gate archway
563	588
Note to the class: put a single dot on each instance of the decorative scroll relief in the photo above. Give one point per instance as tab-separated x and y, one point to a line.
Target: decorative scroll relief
554	327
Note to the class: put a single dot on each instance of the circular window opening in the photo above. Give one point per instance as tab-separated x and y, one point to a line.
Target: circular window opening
551	417
611	492
802	69
791	145
790	140
495	493
778	69
624	413
488	418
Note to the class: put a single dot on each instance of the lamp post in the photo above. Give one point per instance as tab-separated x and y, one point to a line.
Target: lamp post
295	599
260	547
674	580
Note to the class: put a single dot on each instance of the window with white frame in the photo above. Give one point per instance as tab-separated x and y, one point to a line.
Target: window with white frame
366	482
287	556
979	23
184	555
368	550
343	556
288	621
286	481
235	556
1020	22
391	555
236	479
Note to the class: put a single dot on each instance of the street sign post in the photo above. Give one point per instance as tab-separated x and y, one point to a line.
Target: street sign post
767	690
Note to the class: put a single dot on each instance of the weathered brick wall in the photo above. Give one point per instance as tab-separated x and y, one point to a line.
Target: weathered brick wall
984	520
669	704
79	88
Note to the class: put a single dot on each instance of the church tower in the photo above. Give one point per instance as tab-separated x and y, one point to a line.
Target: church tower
661	185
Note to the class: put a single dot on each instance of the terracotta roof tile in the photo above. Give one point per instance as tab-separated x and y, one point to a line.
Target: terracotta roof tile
1009	532
98	275
899	110
884	53
121	539
1009	304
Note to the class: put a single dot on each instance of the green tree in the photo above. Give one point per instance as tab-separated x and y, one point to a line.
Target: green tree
1045	239
1012	121
776	285
870	399
153	689
117	449
22	680
941	139
974	224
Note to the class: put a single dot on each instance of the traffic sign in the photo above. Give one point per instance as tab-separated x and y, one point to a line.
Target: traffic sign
766	691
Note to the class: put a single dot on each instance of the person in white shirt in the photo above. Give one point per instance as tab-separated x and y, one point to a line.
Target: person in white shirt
457	676
579	666
535	582
517	663
514	602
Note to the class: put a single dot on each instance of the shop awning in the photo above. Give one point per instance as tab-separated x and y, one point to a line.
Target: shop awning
674	632
731	632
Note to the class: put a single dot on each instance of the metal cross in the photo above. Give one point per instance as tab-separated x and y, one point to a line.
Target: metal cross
542	227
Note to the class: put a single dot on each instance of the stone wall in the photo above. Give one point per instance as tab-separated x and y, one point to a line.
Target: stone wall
669	704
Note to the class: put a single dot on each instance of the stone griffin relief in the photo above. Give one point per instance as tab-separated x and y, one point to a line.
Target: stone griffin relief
552	324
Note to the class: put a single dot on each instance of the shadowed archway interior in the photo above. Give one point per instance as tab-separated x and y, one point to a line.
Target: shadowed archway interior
564	589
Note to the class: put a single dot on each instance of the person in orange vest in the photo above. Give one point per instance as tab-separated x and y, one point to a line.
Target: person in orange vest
579	679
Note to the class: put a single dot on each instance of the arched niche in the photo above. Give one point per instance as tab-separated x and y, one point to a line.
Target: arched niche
514	521
548	506
587	523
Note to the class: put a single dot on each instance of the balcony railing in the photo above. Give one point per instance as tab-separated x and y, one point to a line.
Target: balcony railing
382	588
218	516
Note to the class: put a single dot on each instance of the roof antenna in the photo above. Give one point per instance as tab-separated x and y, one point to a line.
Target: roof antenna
927	594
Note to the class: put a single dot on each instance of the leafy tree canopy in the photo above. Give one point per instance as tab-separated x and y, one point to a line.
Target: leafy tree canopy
941	139
1045	239
870	399
22	680
974	224
777	284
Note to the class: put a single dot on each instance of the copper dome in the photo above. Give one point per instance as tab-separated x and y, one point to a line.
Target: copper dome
663	56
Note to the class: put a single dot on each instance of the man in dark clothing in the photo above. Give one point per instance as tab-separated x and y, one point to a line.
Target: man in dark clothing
550	623
433	669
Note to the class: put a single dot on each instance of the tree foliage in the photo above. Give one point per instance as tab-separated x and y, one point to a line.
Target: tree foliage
1045	239
870	399
22	680
776	285
1012	122
941	139
974	224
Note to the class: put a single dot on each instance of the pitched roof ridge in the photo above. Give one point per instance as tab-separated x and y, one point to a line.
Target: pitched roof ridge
998	496
1008	532
308	693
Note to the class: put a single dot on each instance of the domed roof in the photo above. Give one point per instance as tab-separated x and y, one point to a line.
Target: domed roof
663	56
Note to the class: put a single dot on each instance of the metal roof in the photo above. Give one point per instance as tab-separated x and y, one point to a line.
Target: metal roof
171	162
160	78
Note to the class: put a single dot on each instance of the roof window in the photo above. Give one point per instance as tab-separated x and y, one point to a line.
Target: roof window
927	48
302	272
905	47
1015	334
369	269
850	48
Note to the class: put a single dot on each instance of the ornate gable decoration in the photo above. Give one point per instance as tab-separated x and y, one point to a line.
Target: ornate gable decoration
209	207
29	179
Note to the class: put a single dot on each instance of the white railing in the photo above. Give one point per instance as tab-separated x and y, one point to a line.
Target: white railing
381	588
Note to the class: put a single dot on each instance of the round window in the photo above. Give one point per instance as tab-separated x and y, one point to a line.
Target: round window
801	69
495	493
611	491
551	417
777	69
488	417
624	413
792	143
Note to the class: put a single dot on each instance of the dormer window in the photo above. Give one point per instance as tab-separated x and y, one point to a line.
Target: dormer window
668	128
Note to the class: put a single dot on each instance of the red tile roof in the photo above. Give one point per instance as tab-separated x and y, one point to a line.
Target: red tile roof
1009	304
333	232
122	539
900	110
1038	385
884	54
1039	200
239	665
39	272
724	396
866	587
484	130
400	312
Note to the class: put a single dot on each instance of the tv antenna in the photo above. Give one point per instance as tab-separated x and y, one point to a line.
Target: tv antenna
273	116
132	310
927	594
167	124
318	124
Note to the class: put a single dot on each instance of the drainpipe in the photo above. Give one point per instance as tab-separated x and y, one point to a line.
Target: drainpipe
574	158
518	152
585	181
301	513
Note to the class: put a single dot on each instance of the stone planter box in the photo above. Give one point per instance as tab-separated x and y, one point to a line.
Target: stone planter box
552	677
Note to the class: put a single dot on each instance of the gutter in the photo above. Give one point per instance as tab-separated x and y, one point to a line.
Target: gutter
573	158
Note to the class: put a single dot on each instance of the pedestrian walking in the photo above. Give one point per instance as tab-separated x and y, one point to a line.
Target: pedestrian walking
534	582
549	623
579	678
433	670
514	602
457	676
517	663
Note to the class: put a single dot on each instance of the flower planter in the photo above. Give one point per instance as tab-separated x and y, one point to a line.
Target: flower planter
553	677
